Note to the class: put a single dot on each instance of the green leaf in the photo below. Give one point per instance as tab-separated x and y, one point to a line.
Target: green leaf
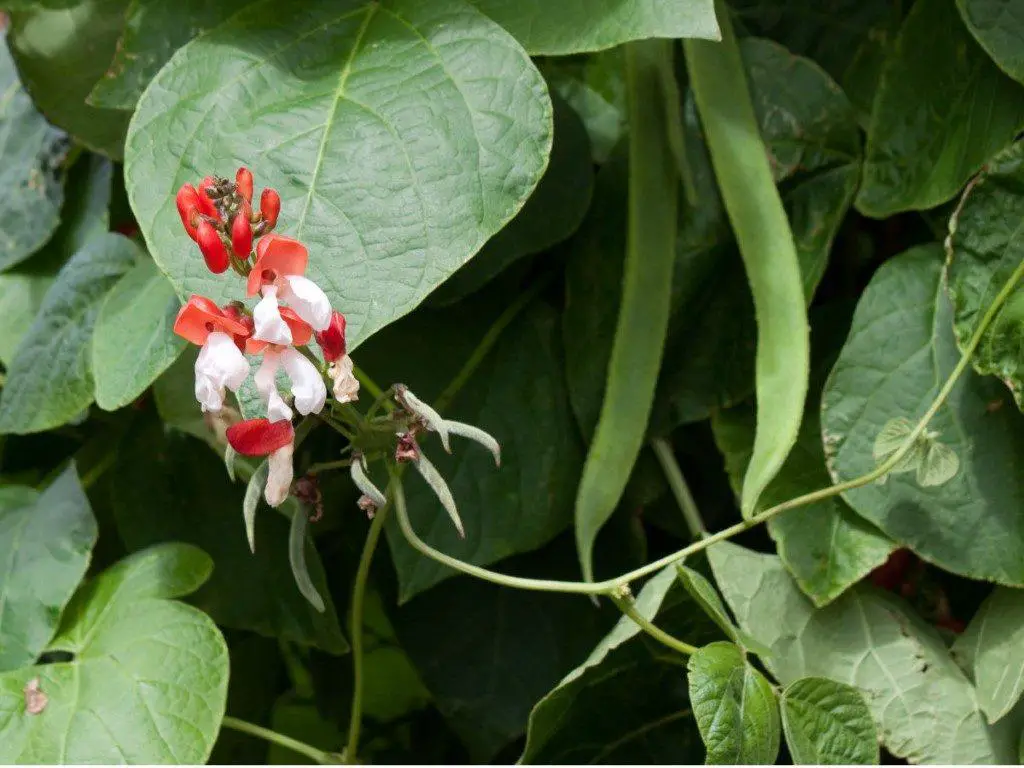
703	593
134	342
400	135
993	647
810	130
61	52
23	287
899	352
553	212
595	87
153	31
517	394
642	324
941	110
735	707
999	26
627	702
828	723
499	650
50	380
180	492
576	27
825	545
31	188
924	707
984	249
148	680
46	541
300	719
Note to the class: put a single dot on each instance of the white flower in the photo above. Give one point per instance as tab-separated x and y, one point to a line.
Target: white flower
305	297
280	476
307	386
220	364
346	385
269	325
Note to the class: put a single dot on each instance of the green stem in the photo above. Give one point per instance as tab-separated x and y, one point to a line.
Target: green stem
356	631
327	466
489	340
317	755
679	488
612	587
628	608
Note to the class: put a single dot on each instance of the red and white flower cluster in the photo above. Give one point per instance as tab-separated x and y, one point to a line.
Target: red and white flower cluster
290	311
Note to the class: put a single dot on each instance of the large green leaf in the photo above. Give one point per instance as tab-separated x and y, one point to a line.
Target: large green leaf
924	707
984	248
941	110
992	651
31	151
627	702
50	379
828	723
826	545
23	287
153	31
148	679
499	650
401	135
181	492
576	26
735	707
553	212
134	342
46	541
999	26
517	394
61	52
899	352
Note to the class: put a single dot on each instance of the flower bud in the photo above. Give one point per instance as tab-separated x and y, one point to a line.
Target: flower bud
214	251
206	205
332	338
243	182
241	233
270	206
189	206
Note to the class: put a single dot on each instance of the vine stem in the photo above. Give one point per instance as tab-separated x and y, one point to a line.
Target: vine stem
317	755
626	605
613	587
680	490
358	600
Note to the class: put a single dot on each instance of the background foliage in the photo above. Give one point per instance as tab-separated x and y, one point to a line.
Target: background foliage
542	218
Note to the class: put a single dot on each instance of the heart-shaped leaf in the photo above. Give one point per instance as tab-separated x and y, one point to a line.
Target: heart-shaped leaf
148	680
46	541
401	135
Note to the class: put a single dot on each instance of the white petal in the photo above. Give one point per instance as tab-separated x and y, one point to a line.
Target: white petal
220	364
346	385
266	317
308	301
279	478
266	383
307	384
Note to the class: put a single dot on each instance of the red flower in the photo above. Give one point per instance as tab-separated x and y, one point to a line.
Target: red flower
187	201
214	251
332	339
276	256
243	181
270	206
200	317
241	233
260	437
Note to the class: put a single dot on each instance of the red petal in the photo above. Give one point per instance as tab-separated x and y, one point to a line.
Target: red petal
260	437
188	204
214	251
200	317
270	206
302	331
206	205
332	338
243	181
276	255
241	233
